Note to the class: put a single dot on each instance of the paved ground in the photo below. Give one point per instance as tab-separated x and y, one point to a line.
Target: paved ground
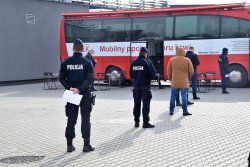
218	134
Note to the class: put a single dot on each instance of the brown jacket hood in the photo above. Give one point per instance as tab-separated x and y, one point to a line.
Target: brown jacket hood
180	69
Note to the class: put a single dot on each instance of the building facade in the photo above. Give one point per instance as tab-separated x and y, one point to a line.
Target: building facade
29	37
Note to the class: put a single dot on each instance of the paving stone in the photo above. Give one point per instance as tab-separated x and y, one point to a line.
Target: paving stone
217	134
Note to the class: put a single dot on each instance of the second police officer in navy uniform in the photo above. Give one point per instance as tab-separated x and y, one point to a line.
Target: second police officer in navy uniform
224	70
89	57
76	75
142	72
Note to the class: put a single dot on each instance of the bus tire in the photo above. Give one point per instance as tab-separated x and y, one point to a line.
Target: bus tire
238	77
116	76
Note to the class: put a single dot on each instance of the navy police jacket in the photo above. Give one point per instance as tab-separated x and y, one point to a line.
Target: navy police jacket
76	72
142	72
224	64
89	57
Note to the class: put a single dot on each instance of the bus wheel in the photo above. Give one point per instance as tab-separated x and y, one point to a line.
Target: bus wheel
116	76
238	76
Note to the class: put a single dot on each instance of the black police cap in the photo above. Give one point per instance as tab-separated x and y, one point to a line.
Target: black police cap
224	50
78	42
143	49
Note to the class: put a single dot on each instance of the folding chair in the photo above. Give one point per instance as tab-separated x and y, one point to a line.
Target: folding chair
103	79
210	78
157	79
50	81
202	85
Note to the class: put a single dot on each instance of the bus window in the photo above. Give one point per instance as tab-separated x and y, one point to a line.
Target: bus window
148	28
117	29
86	30
186	27
169	28
229	27
208	26
244	28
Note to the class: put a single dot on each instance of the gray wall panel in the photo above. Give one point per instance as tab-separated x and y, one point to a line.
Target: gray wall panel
29	50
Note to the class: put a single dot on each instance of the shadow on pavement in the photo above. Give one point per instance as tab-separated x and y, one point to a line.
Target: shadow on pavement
123	141
54	160
69	161
168	122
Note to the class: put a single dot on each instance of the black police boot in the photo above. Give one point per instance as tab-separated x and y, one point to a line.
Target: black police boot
189	103
87	147
186	114
147	125
178	103
70	147
137	124
225	92
196	98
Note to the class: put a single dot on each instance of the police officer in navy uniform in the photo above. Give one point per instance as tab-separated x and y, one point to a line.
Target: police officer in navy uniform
76	75
142	72
89	56
224	70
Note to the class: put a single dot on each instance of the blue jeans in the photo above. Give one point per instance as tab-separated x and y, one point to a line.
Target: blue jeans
174	91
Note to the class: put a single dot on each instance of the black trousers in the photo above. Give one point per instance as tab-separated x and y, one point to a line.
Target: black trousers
72	114
224	82
145	96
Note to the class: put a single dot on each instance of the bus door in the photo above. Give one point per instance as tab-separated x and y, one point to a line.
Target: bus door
156	55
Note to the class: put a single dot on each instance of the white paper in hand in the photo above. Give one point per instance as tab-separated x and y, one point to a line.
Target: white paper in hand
71	97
